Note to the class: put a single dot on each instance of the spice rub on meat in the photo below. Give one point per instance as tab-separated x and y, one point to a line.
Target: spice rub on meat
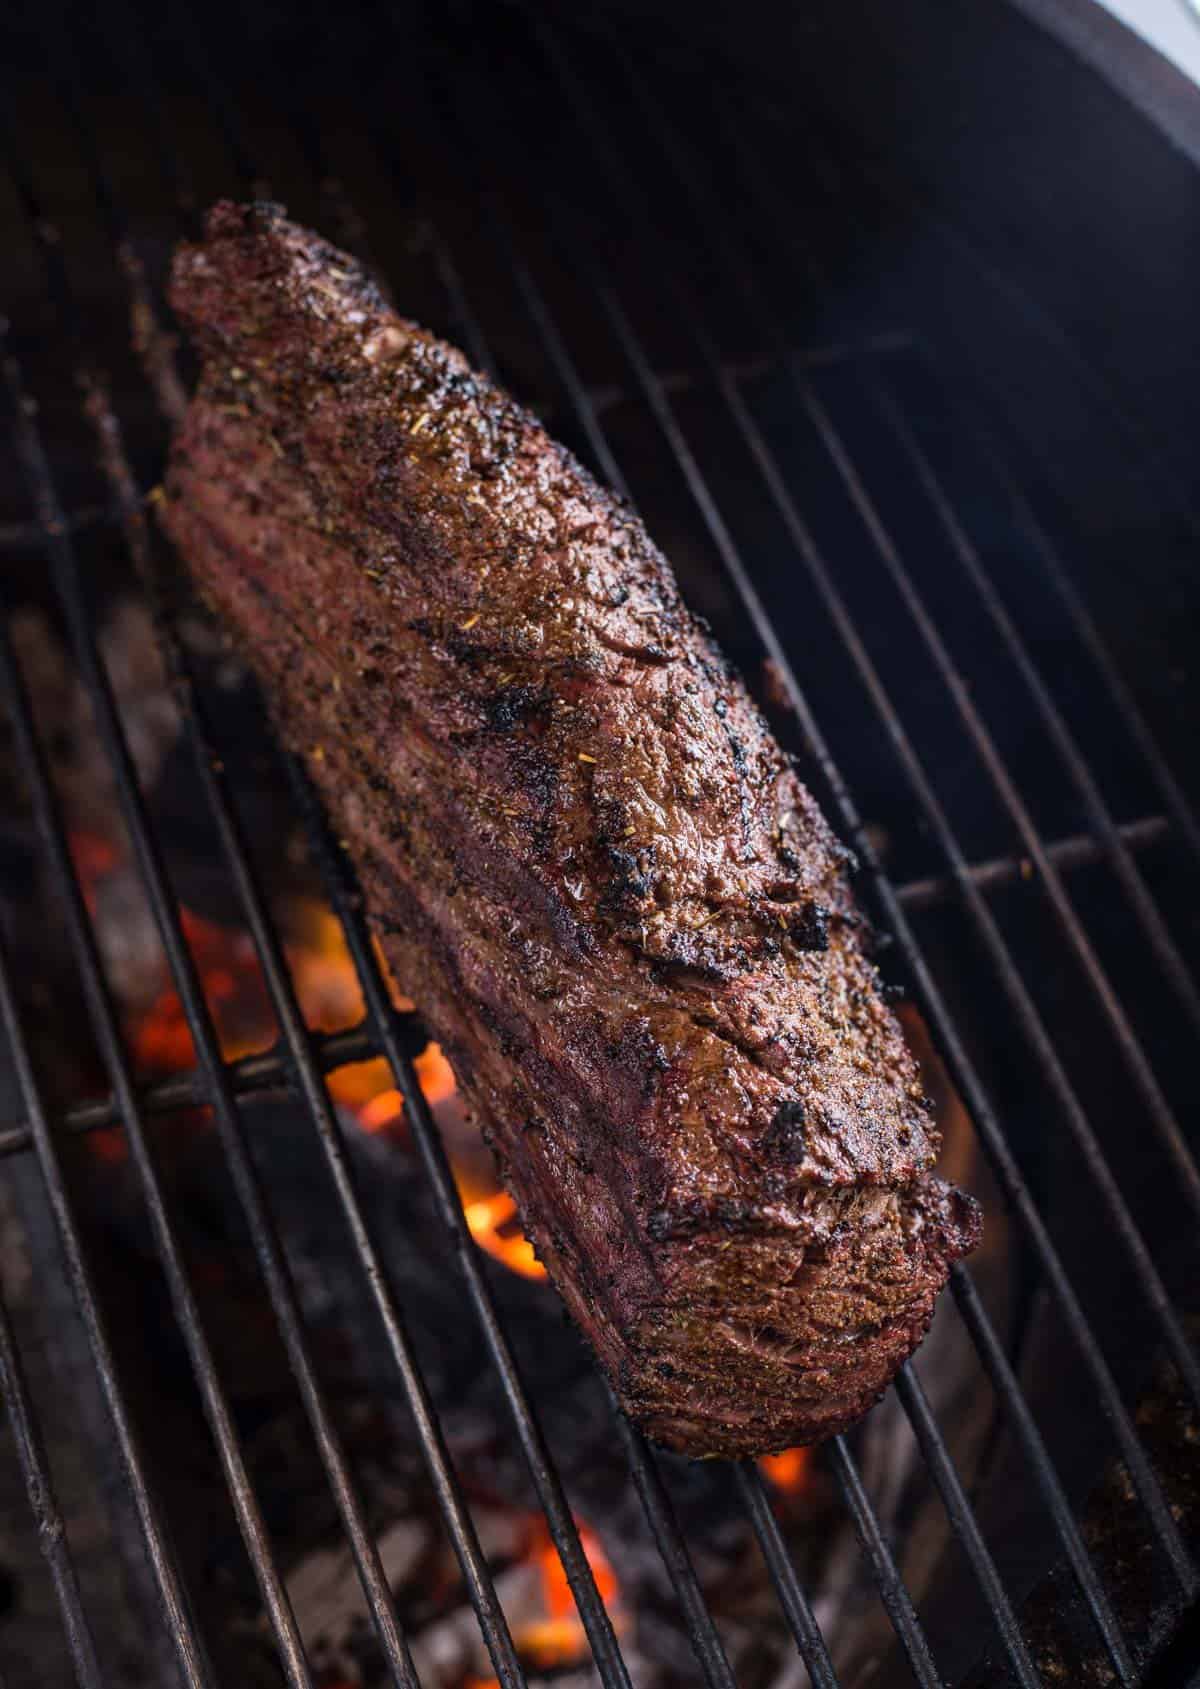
584	854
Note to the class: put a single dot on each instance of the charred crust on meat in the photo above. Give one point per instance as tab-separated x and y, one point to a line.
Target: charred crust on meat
514	706
786	1138
809	930
580	846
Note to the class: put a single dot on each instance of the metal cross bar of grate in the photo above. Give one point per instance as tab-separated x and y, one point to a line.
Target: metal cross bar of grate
458	99
267	1072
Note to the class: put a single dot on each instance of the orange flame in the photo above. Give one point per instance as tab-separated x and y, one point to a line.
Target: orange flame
493	1223
320	964
558	1639
788	1471
330	999
378	1108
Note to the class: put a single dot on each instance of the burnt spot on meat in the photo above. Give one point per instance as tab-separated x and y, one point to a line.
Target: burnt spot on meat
515	706
538	780
639	1057
663	1224
810	929
630	879
786	1138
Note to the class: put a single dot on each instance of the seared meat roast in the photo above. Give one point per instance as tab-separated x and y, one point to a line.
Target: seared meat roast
585	856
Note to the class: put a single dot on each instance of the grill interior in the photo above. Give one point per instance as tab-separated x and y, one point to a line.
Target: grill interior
960	593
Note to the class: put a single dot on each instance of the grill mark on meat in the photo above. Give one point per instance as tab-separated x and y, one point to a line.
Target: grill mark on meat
594	870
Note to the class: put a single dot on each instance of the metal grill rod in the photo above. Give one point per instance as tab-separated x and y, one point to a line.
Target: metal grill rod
268	1249
838	192
35	1469
1004	1381
957	1060
267	1070
656	1504
1181	1348
1149	916
249	1077
176	1613
608	395
893	1591
21	536
1077	851
792	1598
954	1497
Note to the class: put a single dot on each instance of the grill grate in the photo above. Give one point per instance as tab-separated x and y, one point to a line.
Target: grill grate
460	115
